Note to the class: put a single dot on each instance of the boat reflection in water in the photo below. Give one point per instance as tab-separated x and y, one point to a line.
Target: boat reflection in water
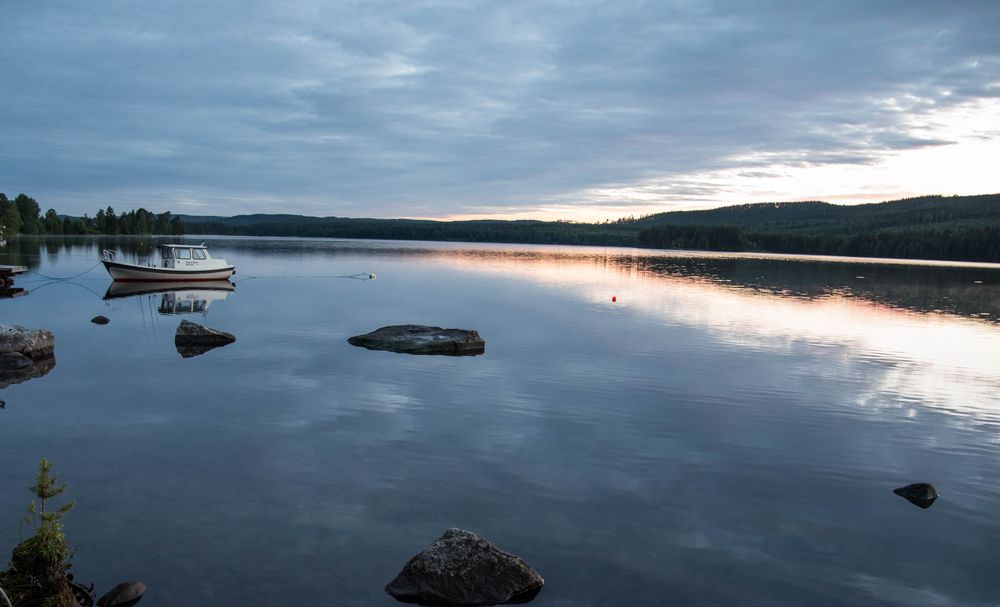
175	298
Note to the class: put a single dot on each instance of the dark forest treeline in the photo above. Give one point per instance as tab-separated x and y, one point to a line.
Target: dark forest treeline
968	243
808	216
932	227
23	215
530	232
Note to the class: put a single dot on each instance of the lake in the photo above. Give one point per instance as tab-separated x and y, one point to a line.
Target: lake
728	430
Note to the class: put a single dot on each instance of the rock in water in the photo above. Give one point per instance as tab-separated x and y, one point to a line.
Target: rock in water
193	339
919	494
125	594
418	339
462	568
25	353
33	343
100	320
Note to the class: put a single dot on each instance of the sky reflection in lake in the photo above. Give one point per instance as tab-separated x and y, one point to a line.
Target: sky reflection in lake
728	431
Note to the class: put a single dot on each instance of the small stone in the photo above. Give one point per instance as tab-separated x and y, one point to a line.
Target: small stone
918	494
460	568
100	320
419	339
125	594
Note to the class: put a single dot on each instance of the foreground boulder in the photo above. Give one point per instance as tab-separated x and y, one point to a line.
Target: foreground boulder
918	494
460	568
25	354
100	320
123	595
418	339
193	339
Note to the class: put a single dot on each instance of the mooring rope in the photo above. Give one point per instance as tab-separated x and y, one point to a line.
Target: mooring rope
40	275
39	286
360	276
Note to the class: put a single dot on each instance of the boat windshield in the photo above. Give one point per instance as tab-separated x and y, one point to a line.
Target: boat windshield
183	253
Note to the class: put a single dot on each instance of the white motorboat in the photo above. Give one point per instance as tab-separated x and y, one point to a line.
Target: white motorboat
178	262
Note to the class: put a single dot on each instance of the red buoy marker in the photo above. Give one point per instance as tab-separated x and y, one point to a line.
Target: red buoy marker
614	298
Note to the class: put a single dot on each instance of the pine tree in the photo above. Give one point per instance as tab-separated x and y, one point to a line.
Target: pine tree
37	571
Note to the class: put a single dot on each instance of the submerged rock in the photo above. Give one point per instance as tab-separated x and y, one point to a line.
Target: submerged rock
14	360
125	594
460	568
192	351
37	368
193	339
419	339
100	320
918	494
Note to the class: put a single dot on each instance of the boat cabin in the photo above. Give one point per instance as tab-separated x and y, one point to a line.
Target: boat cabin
180	256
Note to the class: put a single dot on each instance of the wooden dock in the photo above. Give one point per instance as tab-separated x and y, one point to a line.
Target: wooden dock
7	274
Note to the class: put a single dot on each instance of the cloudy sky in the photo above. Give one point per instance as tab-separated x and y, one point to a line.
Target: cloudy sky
449	109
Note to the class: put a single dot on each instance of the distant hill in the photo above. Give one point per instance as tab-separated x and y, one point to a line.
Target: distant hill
930	227
822	216
245	220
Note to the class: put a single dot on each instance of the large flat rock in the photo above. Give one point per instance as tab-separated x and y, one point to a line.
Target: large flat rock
25	354
420	339
461	568
33	343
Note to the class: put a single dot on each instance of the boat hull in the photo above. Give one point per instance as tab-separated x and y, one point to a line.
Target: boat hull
126	272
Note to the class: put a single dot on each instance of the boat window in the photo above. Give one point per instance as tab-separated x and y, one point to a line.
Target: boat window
183	253
198	253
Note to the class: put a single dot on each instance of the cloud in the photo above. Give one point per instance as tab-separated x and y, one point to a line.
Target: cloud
444	108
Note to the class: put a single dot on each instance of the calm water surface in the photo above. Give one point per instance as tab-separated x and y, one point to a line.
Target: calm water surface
727	432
